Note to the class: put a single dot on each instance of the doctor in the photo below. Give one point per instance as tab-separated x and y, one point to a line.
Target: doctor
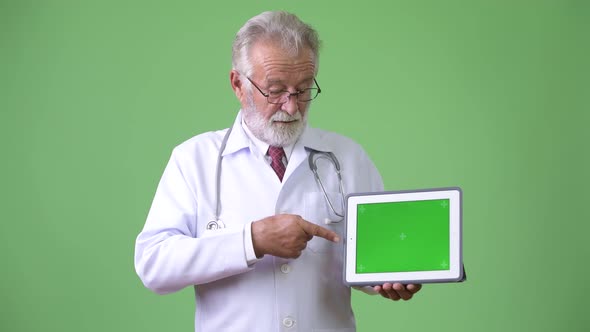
240	215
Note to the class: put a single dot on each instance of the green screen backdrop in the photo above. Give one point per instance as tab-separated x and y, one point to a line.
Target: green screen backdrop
491	96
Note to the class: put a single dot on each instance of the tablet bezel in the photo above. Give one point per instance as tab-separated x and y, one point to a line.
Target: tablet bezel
455	272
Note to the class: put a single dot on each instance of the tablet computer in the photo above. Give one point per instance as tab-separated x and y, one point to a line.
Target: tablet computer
409	236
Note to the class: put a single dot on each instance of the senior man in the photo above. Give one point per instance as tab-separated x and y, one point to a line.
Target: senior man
239	213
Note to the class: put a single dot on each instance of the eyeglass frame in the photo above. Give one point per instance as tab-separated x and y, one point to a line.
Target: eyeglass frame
296	94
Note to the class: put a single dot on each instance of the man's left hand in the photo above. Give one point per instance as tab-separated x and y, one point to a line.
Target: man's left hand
397	291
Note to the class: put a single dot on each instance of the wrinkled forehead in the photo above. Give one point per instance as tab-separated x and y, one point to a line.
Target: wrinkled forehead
271	60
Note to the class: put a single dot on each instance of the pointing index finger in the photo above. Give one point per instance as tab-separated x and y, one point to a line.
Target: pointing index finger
317	230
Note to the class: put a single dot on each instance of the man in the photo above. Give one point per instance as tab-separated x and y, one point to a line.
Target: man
254	233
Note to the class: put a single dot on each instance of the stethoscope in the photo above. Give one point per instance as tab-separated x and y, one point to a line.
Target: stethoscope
312	159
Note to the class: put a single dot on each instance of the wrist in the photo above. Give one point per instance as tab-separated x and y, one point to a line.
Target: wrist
256	230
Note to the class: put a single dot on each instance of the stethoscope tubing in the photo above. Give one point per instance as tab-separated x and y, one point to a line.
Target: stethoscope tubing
216	223
314	168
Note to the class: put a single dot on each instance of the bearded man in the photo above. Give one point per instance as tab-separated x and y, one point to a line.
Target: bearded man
239	214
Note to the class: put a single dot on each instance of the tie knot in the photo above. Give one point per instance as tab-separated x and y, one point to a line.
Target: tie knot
276	153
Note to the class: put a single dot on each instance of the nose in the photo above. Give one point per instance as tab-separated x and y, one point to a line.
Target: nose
291	106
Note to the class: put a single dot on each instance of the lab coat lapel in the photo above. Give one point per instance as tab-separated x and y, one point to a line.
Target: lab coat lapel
297	157
237	139
310	139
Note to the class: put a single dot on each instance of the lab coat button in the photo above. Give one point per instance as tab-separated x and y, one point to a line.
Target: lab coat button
288	321
285	268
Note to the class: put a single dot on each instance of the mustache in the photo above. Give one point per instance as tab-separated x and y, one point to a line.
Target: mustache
284	116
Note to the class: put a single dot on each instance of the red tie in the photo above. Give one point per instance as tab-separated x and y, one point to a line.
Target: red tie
276	154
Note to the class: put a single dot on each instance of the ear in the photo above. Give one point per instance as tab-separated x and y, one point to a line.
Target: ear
237	86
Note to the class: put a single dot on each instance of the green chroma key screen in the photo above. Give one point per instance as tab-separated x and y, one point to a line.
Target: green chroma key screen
403	236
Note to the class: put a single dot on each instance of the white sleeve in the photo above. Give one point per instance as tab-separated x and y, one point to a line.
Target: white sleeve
249	245
168	254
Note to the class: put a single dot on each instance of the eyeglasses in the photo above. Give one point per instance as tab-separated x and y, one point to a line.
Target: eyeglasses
281	97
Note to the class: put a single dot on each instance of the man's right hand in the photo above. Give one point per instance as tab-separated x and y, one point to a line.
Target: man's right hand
286	235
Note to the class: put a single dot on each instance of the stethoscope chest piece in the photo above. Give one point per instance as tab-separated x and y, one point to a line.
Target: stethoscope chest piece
215	224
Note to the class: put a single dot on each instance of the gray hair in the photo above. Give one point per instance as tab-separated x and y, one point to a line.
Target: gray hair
282	28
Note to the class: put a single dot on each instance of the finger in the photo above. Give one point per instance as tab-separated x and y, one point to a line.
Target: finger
402	291
391	293
317	230
302	246
385	295
414	288
379	289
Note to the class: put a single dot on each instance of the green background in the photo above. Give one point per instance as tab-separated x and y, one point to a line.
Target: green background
491	96
416	233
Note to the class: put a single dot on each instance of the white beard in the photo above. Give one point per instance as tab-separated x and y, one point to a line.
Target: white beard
275	134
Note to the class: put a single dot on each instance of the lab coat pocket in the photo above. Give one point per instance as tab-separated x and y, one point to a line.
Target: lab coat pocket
319	212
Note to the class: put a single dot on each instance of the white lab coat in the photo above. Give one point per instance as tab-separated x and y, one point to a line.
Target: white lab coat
174	250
